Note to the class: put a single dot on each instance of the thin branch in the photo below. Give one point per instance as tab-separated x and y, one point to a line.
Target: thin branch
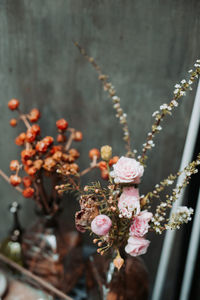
23	117
44	284
70	139
112	94
2	174
92	166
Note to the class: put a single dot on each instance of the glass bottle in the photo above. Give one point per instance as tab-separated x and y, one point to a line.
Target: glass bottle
11	246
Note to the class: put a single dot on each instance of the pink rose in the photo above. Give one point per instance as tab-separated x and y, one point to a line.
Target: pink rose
101	224
136	246
129	202
140	224
127	170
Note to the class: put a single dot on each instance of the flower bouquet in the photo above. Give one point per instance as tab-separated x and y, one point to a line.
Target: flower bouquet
117	214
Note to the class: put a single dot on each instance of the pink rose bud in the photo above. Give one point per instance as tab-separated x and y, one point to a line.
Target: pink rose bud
140	224
127	170
101	224
129	202
136	246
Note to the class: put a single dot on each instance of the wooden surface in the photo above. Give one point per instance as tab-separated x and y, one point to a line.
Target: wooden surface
145	46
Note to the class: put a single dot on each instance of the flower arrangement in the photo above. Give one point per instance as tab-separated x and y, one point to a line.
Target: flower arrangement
45	157
117	214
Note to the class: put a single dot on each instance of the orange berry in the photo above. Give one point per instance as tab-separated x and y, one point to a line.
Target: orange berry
102	165
13	122
94	152
30	135
20	139
55	148
48	140
31	171
34	115
62	124
13	104
28	162
113	160
27	154
15	180
28	192
78	136
41	146
38	164
27	181
35	128
14	165
74	168
74	153
104	174
57	155
61	138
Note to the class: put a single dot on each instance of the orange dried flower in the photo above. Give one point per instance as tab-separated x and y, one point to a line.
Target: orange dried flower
27	181
14	165
102	165
28	192
15	180
48	140
34	115
41	146
13	104
31	171
57	155
62	124
105	174
20	139
13	122
73	152
61	138
27	154
113	160
78	136
94	152
55	148
49	164
35	128
38	164
30	135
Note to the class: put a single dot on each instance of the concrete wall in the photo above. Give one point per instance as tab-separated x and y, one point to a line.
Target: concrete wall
145	46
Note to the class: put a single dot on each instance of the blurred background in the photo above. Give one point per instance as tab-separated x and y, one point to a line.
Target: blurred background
146	47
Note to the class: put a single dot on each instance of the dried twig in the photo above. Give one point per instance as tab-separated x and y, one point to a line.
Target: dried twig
44	284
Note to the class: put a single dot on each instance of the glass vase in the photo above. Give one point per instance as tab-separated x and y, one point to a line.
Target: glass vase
53	253
105	282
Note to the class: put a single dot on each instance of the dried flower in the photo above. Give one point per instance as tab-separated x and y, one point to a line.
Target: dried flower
106	152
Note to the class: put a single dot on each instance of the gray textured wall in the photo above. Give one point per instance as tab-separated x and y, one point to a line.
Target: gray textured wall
145	46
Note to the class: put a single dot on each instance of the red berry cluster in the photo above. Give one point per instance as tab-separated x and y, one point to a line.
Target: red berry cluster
40	156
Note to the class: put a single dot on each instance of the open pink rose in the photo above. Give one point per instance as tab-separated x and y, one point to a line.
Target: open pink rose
127	170
140	224
136	246
129	202
101	224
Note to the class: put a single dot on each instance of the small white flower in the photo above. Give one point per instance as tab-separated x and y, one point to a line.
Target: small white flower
175	103
155	113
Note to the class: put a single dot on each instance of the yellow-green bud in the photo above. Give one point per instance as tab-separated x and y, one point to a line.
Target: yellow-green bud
106	152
